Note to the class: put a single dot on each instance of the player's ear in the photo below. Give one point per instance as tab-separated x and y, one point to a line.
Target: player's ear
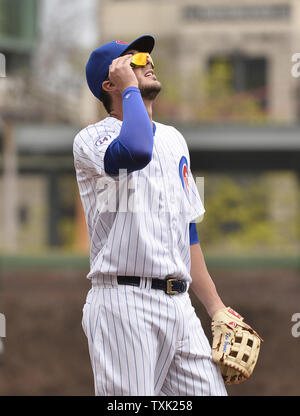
108	86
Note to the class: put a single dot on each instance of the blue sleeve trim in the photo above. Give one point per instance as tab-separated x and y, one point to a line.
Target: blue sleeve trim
154	128
193	234
132	149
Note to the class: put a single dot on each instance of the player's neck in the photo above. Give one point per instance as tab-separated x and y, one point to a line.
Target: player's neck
148	105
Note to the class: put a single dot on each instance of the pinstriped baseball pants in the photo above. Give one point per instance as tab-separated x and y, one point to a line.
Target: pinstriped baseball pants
143	342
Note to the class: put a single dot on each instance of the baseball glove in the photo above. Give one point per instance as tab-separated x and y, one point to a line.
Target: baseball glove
235	346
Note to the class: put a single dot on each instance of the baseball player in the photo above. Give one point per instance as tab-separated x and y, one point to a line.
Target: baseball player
141	204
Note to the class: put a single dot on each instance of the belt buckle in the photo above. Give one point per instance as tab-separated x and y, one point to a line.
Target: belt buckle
169	290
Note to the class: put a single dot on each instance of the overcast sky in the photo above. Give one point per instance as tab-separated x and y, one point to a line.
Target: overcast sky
77	16
67	28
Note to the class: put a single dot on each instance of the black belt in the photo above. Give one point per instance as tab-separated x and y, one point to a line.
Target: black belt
169	286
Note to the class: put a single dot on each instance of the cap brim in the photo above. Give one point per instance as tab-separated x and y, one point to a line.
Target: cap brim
142	44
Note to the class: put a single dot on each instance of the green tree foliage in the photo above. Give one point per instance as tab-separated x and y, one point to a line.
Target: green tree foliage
239	216
219	102
206	97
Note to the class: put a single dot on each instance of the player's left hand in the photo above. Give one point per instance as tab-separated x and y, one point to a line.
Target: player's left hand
235	346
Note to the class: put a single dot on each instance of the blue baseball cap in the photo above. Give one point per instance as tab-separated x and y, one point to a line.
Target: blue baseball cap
97	67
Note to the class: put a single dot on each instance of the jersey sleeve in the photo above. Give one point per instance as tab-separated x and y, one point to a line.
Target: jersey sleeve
102	149
194	208
89	148
196	205
193	234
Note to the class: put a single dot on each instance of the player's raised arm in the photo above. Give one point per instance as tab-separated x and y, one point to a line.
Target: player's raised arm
132	149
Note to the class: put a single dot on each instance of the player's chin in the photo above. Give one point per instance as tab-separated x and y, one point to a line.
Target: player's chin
148	82
150	89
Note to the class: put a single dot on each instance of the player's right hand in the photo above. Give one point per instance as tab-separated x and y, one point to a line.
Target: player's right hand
121	74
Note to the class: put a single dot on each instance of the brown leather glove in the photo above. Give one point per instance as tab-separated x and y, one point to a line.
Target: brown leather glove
235	346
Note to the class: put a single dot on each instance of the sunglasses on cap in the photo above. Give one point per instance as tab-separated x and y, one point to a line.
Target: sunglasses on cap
141	59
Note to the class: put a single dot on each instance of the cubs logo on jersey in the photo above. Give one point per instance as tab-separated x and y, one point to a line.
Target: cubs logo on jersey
184	175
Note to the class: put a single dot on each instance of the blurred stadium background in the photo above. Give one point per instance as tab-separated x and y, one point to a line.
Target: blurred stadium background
228	86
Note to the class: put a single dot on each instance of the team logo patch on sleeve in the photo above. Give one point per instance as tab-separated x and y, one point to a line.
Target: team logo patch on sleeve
184	175
102	140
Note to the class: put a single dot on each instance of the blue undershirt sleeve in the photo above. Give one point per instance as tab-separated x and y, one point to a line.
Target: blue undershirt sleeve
132	149
193	234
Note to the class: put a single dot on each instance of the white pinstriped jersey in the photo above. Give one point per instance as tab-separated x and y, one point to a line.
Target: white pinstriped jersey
138	223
